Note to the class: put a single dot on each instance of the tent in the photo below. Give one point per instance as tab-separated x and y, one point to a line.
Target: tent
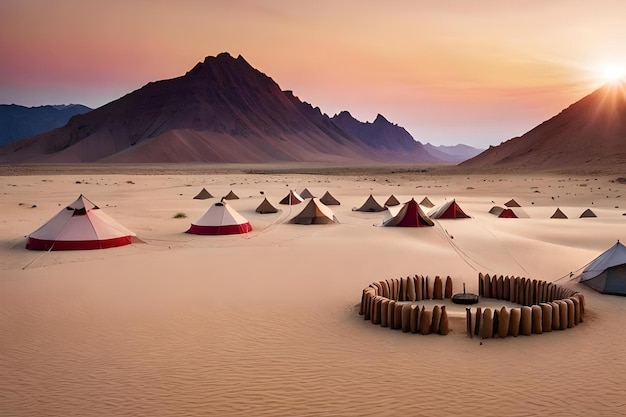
306	193
315	212
292	198
512	203
81	225
588	213
607	273
427	203
392	201
370	205
230	196
558	214
449	210
328	200
266	207
203	195
410	215
507	214
220	219
496	210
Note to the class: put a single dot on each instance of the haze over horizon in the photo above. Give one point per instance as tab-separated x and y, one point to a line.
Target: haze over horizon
476	73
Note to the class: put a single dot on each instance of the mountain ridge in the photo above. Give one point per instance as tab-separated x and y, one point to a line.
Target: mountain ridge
588	134
222	110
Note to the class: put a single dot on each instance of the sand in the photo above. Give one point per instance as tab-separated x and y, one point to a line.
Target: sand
267	323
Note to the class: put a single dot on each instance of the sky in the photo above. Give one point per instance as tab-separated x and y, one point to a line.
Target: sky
453	71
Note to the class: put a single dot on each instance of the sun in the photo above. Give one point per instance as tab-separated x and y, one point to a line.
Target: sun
612	72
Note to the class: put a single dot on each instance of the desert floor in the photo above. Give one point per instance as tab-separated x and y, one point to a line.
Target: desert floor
266	323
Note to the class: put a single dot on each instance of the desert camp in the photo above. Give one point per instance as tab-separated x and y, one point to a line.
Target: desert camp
144	284
275	166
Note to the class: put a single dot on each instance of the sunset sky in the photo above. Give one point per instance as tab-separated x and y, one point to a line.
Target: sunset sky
476	72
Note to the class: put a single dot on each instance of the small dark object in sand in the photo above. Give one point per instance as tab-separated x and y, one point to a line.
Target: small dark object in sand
464	298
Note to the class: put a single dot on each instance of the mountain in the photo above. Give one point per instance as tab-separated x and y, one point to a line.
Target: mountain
381	134
19	122
455	153
589	134
222	110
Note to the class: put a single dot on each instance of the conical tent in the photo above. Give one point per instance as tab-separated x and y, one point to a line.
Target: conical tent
203	195
410	215
220	219
306	193
449	210
496	210
370	205
79	226
588	213
315	212
427	203
507	214
230	196
392	201
607	273
558	214
291	199
512	203
329	200
266	207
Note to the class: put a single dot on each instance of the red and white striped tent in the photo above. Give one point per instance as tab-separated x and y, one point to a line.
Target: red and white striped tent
81	225
220	219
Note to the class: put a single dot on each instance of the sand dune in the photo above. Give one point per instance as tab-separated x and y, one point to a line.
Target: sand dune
266	323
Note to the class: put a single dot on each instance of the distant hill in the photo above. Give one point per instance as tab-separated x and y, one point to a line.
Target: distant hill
590	134
382	134
456	153
19	122
222	110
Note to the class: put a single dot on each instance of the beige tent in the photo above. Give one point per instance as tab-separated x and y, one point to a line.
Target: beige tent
306	193
588	213
512	203
315	212
329	200
558	214
392	201
266	207
370	205
230	196
291	199
427	203
203	195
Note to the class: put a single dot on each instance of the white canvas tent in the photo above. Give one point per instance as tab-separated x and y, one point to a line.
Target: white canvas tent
220	219
607	273
79	226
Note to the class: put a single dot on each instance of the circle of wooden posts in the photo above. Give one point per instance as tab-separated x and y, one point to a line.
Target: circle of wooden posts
545	306
390	303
